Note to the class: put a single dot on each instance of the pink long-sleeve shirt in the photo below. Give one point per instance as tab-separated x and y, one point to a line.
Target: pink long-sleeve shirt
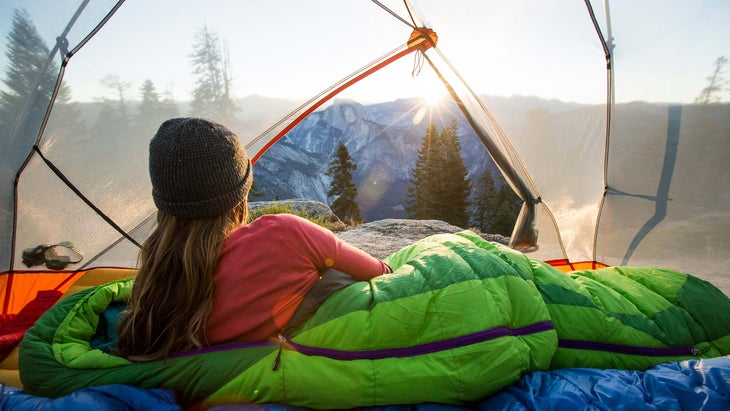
268	266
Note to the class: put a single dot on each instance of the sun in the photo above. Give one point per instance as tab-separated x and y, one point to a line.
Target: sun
433	95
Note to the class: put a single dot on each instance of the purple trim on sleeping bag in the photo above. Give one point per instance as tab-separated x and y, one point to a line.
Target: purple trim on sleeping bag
426	348
398	352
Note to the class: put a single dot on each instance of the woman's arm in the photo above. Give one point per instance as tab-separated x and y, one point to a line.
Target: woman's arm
359	264
328	251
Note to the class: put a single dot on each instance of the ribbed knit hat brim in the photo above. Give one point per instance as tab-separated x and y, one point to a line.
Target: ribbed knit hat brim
198	168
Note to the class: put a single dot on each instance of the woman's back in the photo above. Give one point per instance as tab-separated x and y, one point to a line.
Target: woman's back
267	267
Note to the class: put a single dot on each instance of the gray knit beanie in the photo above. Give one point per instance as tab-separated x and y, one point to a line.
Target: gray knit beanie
198	168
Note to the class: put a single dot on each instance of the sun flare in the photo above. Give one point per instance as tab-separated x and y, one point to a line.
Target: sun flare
432	96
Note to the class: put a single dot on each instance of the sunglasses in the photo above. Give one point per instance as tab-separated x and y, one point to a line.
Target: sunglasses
56	256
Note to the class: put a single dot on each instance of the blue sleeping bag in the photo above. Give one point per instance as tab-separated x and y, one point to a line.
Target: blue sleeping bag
113	397
685	385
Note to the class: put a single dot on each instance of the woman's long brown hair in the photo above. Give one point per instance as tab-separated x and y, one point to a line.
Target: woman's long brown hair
173	292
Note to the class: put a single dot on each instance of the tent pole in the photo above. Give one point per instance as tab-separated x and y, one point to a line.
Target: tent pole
608	47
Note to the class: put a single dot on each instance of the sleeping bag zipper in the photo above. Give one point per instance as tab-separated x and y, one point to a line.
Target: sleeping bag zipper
282	341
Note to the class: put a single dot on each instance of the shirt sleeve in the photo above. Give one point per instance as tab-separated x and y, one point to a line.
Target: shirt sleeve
328	251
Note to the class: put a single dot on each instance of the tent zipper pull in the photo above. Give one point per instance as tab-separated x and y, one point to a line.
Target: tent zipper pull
282	341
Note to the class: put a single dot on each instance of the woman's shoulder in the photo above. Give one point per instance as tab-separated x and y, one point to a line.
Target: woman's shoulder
280	227
281	220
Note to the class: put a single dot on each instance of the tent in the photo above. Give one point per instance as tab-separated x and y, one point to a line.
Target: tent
630	170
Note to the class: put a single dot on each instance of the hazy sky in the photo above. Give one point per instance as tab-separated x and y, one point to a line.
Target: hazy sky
294	49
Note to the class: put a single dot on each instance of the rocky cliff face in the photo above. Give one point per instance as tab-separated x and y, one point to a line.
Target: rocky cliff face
384	237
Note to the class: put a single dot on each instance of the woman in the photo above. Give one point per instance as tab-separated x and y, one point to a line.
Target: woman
205	276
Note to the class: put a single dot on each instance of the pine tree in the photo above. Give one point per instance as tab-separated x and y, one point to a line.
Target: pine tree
495	208
169	106
484	202
152	111
212	95
345	205
440	185
421	203
150	104
717	84
506	212
29	83
456	183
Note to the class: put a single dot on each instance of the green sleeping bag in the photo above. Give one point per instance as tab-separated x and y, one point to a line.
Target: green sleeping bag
458	320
